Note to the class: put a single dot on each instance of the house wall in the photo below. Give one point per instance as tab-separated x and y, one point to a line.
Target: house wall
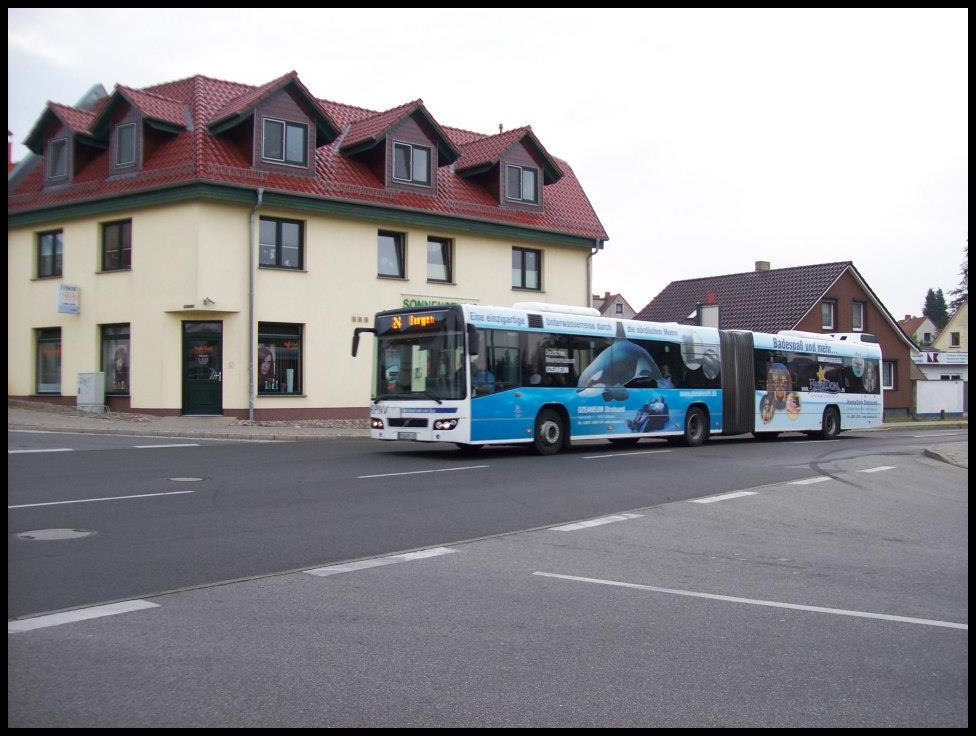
898	399
184	253
959	322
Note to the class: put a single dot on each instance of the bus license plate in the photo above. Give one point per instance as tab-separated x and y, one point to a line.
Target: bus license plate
406	435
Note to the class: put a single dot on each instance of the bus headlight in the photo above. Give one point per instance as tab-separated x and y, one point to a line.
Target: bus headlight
445	423
376	423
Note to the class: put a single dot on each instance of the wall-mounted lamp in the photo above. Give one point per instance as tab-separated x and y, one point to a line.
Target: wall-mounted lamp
208	302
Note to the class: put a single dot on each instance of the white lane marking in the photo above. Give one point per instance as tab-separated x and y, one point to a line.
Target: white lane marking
380	561
757	602
877	469
938	434
82	614
623	454
723	497
180	444
594	522
808	481
93	500
52	449
421	472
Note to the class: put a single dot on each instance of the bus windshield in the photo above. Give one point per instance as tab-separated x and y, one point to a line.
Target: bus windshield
424	360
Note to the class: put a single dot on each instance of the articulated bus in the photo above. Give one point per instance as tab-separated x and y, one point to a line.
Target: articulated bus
561	373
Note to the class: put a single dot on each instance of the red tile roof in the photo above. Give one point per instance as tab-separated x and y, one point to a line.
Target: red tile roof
196	154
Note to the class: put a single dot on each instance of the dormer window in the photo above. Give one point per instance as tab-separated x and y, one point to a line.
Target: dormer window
411	163
285	143
125	145
522	184
57	158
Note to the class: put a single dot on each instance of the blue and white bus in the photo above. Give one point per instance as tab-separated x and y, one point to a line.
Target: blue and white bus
561	373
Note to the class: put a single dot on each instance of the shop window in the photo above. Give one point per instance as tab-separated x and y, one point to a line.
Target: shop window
279	367
48	360
115	358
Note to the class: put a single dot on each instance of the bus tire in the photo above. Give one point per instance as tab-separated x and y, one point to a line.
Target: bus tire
550	432
624	441
696	427
830	427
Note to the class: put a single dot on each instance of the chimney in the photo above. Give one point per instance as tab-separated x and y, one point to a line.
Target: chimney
762	265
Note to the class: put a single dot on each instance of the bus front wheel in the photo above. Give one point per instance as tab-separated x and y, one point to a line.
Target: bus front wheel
550	433
831	424
696	427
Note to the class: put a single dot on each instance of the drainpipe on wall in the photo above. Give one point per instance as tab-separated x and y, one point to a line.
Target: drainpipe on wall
597	247
250	307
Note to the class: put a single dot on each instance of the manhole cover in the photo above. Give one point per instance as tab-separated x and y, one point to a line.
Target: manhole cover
47	535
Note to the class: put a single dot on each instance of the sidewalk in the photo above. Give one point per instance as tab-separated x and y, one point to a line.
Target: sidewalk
54	418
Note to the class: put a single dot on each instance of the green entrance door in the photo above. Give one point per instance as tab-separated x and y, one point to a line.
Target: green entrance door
202	368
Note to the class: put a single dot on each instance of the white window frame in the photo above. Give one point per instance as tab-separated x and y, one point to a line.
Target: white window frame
290	145
57	158
828	313
521	184
125	145
888	374
412	163
857	317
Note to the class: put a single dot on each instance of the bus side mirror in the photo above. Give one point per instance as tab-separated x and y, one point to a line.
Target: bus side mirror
474	340
355	338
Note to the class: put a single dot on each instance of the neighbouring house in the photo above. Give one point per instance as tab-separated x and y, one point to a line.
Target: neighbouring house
208	247
945	359
954	337
823	298
921	330
612	305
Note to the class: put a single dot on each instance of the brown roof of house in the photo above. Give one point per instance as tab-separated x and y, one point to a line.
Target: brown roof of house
197	109
762	300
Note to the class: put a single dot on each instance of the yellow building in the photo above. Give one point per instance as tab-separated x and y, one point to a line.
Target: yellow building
207	247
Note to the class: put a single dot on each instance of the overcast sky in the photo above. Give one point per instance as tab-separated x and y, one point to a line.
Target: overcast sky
706	140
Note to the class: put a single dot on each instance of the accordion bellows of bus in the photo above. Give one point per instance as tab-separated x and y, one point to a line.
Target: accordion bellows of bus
544	375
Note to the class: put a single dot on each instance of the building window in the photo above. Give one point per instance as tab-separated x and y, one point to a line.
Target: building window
411	163
390	261
279	358
521	184
49	361
50	254
526	268
117	245
285	143
618	308
439	260
888	374
57	158
857	317
827	315
926	338
125	145
115	358
954	340
281	243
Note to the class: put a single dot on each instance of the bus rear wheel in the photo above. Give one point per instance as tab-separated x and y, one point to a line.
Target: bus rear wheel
831	424
696	427
550	433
